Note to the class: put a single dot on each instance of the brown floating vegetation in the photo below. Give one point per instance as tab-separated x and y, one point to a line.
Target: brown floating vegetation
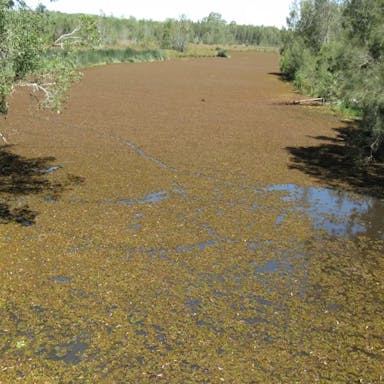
227	264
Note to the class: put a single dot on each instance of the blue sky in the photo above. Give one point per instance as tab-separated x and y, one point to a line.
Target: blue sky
266	12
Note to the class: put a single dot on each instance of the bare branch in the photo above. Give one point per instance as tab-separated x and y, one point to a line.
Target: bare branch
4	139
314	101
38	87
66	36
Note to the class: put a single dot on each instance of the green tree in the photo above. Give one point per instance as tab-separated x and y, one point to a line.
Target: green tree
335	49
182	35
363	22
176	34
27	58
168	34
214	27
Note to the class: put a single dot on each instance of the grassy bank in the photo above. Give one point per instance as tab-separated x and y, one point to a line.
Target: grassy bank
205	50
87	58
102	56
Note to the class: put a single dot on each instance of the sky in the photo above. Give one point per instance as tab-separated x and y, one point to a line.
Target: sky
256	12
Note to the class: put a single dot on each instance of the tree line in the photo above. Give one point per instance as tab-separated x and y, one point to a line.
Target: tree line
170	34
335	49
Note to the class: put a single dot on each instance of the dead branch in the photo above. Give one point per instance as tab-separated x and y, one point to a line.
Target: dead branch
67	36
38	87
308	101
4	139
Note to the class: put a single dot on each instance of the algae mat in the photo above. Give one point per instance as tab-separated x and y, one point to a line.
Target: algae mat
156	231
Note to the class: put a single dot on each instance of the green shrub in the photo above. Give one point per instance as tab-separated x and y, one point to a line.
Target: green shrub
305	76
222	53
292	58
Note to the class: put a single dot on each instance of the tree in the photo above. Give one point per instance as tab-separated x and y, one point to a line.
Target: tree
176	34
27	58
335	49
181	38
215	29
40	8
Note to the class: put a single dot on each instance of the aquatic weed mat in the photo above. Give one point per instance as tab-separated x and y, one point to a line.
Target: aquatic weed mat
170	242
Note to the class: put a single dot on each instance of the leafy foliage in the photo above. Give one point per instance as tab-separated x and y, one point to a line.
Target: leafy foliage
222	53
176	34
335	49
25	40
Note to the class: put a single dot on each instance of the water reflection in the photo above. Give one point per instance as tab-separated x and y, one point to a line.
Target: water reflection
149	198
339	213
71	353
61	279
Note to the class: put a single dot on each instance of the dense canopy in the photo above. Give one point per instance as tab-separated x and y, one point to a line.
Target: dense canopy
335	49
